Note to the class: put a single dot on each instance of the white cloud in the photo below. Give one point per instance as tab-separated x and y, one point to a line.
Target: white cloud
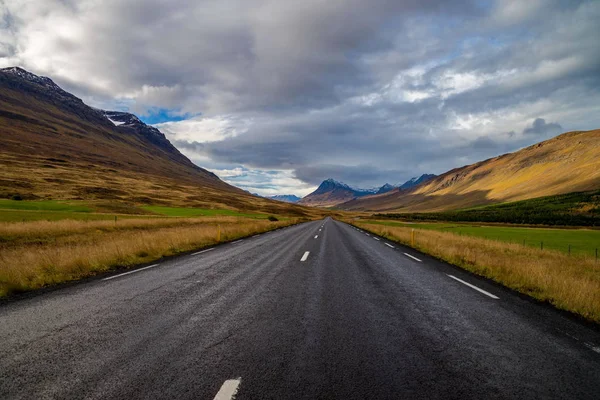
204	129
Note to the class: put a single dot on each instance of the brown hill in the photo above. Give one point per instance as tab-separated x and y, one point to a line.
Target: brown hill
567	163
53	146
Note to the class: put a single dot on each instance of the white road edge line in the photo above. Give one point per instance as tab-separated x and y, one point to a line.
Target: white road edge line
413	257
592	347
130	272
367	234
237	241
305	256
474	287
203	251
229	389
375	238
316	236
389	245
256	235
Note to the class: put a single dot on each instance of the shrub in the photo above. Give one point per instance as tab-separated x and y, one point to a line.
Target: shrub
272	218
17	197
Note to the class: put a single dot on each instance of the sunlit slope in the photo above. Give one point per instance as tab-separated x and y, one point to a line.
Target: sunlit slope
567	163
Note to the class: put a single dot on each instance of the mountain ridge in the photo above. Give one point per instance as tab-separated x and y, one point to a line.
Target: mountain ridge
332	192
287	198
57	147
567	163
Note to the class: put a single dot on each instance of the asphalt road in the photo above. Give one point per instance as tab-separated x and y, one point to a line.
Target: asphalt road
357	319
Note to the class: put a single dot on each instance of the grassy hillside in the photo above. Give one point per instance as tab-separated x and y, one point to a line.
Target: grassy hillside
567	163
54	147
571	209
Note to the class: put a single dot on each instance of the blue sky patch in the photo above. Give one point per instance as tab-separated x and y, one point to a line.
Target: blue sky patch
159	115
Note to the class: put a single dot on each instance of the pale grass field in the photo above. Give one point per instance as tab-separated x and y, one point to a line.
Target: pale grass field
570	283
41	253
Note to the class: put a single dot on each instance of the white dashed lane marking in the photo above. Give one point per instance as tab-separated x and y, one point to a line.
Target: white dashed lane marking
229	389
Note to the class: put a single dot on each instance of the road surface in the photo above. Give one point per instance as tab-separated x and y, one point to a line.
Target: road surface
319	310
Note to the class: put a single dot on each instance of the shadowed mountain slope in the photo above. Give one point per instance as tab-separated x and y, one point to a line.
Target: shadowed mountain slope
54	146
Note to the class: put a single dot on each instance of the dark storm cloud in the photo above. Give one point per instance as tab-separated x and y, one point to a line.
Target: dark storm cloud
540	127
361	91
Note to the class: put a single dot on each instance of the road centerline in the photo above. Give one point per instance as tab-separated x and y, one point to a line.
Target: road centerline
229	389
305	256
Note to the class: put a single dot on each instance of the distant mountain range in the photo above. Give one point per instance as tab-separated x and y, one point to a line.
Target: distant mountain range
331	192
287	198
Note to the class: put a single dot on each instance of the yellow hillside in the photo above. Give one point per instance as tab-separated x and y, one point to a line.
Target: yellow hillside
567	163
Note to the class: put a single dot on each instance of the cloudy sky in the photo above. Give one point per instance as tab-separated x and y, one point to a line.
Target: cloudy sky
274	96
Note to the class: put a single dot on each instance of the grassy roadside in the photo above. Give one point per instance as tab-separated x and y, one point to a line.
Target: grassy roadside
37	254
576	241
570	283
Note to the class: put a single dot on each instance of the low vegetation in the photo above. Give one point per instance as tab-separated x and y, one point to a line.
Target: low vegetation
570	283
36	254
571	209
195	212
580	241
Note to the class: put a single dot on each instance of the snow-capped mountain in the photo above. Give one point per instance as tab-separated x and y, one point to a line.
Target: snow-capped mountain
412	182
331	192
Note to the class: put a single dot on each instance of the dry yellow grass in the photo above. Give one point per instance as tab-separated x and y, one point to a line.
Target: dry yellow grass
570	283
38	254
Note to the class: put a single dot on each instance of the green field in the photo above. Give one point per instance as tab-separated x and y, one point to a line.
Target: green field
43	205
582	241
198	212
51	210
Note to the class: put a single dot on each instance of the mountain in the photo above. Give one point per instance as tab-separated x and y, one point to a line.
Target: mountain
54	146
567	163
412	182
287	198
385	188
331	192
406	185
